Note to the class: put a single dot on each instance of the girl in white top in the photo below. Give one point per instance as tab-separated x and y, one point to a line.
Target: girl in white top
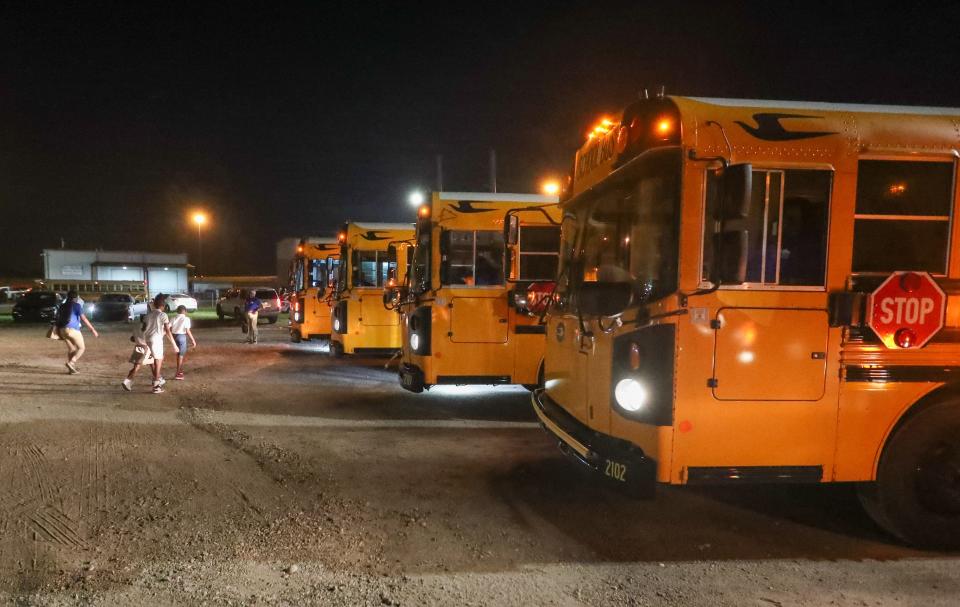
180	327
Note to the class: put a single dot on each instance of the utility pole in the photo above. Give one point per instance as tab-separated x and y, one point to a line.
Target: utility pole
439	172
493	170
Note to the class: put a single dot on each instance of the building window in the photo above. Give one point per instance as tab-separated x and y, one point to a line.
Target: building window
903	215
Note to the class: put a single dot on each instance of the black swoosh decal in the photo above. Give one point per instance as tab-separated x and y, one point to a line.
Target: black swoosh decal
769	128
372	235
464	206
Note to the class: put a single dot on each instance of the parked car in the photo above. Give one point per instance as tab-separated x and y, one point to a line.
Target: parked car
8	295
37	306
175	300
141	305
110	306
232	302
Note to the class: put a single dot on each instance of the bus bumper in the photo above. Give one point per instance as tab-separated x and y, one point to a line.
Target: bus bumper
411	378
618	462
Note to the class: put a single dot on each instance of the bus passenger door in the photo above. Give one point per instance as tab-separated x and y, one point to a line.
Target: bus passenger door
771	410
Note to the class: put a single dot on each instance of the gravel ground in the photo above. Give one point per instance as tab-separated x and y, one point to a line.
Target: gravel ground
276	476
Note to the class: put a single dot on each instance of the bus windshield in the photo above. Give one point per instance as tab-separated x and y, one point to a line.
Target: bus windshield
631	233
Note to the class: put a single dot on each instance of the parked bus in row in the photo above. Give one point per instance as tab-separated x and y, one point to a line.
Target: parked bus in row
373	256
465	313
313	279
753	291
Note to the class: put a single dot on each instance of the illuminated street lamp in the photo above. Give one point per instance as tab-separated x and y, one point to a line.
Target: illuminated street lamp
550	187
415	198
199	218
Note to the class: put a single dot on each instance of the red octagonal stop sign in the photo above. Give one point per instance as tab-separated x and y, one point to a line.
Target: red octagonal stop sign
907	310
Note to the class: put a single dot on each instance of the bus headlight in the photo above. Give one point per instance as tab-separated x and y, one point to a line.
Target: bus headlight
630	394
414	341
336	325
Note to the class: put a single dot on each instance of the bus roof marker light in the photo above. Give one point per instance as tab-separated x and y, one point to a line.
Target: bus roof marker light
424	211
664	127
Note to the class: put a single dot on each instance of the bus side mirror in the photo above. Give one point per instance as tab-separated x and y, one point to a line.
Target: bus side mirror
511	230
736	189
392	296
604	298
732	264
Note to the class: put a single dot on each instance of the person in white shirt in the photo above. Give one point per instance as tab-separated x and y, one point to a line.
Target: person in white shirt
141	352
180	327
156	327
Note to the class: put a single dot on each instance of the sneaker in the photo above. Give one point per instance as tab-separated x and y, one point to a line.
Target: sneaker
160	382
127	385
72	368
178	376
158	389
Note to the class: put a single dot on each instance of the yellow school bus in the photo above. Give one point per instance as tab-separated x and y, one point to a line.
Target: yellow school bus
710	320
373	256
465	313
313	273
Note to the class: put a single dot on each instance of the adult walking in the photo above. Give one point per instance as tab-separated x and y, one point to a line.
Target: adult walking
251	309
70	318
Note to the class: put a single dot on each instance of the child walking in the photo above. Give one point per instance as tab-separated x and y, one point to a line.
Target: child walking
158	327
141	354
180	327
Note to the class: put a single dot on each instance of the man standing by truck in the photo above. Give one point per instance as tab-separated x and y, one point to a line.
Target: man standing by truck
251	311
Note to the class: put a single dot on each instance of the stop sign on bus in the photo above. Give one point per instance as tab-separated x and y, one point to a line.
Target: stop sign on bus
907	310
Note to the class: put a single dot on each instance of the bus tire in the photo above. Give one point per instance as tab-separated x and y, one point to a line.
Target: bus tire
336	349
916	496
295	336
219	313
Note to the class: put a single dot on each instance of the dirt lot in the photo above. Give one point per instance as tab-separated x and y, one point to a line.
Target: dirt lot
276	476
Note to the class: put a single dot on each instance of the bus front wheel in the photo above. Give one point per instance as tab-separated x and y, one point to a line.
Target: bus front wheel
295	336
916	496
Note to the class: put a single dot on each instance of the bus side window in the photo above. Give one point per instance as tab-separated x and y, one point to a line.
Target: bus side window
902	219
539	251
786	227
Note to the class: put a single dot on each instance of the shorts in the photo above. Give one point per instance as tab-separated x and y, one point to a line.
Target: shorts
181	339
156	346
141	356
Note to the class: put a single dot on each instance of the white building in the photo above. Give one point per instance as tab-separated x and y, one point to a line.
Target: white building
162	272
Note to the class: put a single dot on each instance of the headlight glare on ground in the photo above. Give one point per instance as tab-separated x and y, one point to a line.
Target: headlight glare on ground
630	394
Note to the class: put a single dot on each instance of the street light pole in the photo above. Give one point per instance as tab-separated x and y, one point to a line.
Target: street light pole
199	246
199	218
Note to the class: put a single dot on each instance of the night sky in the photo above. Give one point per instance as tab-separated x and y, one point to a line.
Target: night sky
287	120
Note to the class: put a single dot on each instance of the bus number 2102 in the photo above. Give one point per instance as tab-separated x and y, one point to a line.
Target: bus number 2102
616	471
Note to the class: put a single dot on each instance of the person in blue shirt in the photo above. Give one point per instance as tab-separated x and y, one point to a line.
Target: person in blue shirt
251	309
68	323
